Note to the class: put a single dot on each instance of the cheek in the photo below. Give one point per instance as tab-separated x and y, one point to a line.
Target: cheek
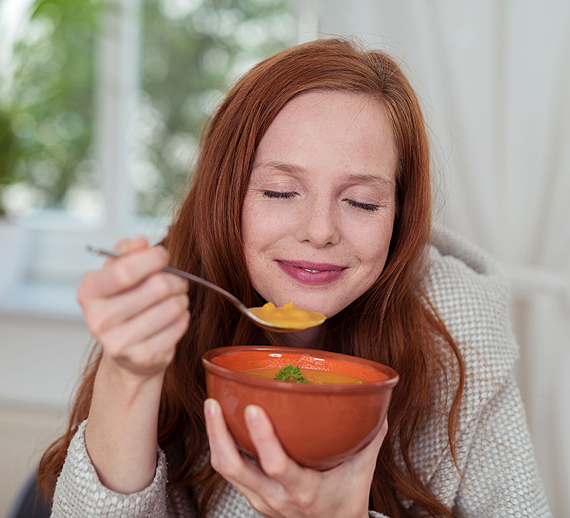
262	226
250	232
371	245
260	230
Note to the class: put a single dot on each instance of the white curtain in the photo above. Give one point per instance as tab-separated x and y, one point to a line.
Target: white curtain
494	78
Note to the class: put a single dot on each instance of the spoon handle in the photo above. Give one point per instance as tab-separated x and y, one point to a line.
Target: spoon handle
198	280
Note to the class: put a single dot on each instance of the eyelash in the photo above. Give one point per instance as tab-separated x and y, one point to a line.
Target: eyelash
287	195
364	206
278	194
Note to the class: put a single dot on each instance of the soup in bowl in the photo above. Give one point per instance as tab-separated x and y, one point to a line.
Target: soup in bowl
324	406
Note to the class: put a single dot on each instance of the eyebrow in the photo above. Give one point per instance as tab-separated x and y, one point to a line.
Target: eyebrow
293	169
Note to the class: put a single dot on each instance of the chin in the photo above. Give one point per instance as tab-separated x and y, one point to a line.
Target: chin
323	307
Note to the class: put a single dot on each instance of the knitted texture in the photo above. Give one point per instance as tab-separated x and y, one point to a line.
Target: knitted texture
79	492
498	475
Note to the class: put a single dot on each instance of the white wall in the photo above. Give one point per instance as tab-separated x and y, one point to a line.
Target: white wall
40	358
40	361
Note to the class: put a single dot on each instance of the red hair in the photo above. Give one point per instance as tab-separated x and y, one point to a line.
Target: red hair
392	323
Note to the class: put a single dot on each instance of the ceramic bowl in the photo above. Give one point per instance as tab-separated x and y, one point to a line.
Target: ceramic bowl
319	426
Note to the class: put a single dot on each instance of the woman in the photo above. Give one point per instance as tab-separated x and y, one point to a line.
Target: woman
312	186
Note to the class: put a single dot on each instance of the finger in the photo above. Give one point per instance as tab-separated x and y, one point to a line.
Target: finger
131	245
127	245
122	273
373	448
144	324
103	314
365	460
154	353
273	459
224	454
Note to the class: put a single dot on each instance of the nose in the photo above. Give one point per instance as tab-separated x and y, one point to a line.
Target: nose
320	225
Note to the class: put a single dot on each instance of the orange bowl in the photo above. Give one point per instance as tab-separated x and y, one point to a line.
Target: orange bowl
319	426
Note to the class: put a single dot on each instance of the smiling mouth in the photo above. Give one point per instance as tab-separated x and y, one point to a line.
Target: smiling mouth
313	267
311	273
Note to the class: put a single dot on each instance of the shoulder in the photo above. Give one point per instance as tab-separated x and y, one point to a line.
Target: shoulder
471	294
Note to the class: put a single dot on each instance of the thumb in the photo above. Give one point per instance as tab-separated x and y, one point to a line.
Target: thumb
369	454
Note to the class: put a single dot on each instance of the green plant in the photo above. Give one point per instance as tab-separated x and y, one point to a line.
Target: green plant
189	56
11	151
46	99
291	374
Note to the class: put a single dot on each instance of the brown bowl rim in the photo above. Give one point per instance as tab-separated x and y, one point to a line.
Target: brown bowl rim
371	386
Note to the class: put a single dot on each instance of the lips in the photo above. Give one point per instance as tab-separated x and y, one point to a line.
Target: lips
311	273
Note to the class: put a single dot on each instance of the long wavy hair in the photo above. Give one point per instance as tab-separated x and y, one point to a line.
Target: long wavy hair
393	322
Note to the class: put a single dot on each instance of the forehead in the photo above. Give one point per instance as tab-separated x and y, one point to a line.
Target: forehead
341	129
334	104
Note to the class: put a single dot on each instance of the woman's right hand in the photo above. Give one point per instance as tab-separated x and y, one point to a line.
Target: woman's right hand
136	311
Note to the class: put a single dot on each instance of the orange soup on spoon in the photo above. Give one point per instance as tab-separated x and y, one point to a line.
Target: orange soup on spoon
289	316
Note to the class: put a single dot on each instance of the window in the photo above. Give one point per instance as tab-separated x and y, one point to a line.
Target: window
47	108
101	105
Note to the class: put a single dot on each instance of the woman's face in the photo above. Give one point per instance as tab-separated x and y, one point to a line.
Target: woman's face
319	210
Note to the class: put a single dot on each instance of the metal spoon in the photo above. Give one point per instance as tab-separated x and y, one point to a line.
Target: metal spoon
203	282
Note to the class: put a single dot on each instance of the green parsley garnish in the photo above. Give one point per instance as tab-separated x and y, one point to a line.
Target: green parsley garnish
290	373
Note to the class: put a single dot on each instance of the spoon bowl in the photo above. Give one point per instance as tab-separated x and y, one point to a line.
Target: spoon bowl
265	324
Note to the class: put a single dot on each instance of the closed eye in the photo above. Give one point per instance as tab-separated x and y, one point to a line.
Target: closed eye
278	194
365	206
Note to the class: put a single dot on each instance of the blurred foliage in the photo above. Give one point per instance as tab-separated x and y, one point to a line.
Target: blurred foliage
191	50
11	150
47	111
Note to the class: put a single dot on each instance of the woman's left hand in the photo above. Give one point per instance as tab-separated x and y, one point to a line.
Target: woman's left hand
279	487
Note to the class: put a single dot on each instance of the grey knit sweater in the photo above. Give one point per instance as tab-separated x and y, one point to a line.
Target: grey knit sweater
494	452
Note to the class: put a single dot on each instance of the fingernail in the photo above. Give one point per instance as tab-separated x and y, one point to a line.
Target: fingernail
253	415
209	407
163	251
122	246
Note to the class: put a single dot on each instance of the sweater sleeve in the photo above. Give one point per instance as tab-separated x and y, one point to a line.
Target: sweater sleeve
79	493
500	477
